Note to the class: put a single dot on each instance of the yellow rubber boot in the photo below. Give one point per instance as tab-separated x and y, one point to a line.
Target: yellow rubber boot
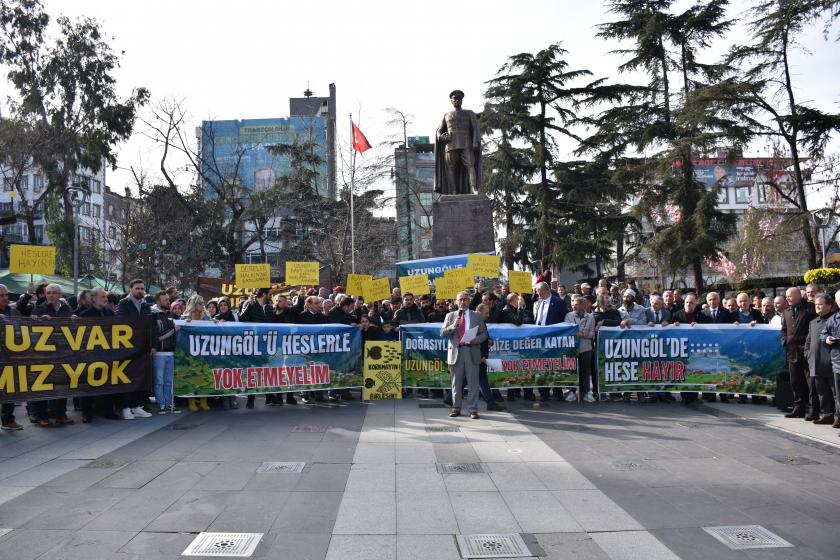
192	406
202	403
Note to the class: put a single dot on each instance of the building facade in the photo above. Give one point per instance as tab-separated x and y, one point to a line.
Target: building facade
414	177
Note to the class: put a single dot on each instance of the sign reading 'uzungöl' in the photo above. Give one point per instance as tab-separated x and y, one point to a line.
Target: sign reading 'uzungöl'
710	358
241	358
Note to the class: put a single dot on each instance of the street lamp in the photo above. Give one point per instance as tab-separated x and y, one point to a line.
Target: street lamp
77	198
821	220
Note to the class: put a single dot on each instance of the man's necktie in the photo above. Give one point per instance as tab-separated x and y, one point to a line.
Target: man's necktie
461	327
657	317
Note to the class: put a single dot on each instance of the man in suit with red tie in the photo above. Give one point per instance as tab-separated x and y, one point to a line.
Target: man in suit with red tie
464	356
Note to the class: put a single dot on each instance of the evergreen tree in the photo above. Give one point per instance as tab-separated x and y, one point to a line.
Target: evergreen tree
655	129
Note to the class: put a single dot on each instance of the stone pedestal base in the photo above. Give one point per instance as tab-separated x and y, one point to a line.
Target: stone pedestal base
462	224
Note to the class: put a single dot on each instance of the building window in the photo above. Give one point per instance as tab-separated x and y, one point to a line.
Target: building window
97	211
39	234
425	222
767	193
85	210
723	195
38	182
8	184
426	200
742	195
24	183
95	186
6	208
425	244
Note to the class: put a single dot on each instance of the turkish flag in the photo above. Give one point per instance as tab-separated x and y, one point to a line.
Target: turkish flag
359	141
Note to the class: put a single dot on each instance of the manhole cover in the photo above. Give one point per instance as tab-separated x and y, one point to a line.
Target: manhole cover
492	546
793	460
184	426
461	468
741	537
281	468
432	405
637	465
106	464
443	428
5	531
309	429
239	545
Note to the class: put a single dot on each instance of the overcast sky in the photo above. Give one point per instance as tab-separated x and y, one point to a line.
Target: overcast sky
237	60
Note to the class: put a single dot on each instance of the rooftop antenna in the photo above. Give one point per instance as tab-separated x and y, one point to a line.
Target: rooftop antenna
308	92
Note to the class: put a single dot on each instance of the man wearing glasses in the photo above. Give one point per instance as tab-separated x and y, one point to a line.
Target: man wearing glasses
466	331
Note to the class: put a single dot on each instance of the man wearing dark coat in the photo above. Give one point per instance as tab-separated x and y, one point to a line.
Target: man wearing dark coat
818	354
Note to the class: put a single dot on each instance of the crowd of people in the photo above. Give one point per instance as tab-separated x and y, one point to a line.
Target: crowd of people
810	332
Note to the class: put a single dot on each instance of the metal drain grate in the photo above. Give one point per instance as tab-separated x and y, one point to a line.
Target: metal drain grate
793	460
281	468
442	428
636	465
492	546
309	429
432	405
106	464
461	468
741	537
184	426
239	545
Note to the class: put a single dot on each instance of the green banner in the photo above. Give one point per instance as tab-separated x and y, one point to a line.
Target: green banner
526	356
709	358
251	358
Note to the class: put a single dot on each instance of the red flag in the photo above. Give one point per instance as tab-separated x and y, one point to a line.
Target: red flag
359	141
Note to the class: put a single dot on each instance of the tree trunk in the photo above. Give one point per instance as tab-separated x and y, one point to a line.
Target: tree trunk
697	267
619	258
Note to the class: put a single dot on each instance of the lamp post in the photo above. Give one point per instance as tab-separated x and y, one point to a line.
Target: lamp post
821	220
77	198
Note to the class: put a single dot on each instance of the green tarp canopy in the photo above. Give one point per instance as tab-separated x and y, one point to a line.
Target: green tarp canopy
17	283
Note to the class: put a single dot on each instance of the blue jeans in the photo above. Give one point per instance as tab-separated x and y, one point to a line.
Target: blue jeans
164	366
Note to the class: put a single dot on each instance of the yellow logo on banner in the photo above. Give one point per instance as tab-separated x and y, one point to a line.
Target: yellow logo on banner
447	288
253	276
486	266
462	276
417	284
355	283
383	378
378	289
32	259
302	273
520	281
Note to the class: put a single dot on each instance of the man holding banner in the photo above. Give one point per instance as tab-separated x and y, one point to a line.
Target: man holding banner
466	331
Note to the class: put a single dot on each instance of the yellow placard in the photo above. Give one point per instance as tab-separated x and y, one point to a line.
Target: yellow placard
253	275
417	284
520	281
485	266
355	282
383	378
461	275
378	289
447	288
302	273
32	259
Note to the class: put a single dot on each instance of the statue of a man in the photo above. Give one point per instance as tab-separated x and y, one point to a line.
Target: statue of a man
458	150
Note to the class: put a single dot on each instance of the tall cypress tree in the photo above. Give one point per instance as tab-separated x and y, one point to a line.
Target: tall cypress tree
539	95
654	129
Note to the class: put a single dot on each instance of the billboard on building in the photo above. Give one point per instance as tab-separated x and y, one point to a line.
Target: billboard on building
238	150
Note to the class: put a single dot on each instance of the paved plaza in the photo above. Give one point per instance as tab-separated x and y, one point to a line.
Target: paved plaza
606	481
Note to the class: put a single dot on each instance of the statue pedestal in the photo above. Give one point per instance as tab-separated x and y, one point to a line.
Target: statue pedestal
462	223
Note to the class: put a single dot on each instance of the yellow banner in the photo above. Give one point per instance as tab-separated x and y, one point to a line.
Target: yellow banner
302	273
447	288
32	259
378	289
485	266
520	281
383	379
355	283
462	277
253	275
417	284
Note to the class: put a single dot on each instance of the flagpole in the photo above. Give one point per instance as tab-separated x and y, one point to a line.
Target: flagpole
352	213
